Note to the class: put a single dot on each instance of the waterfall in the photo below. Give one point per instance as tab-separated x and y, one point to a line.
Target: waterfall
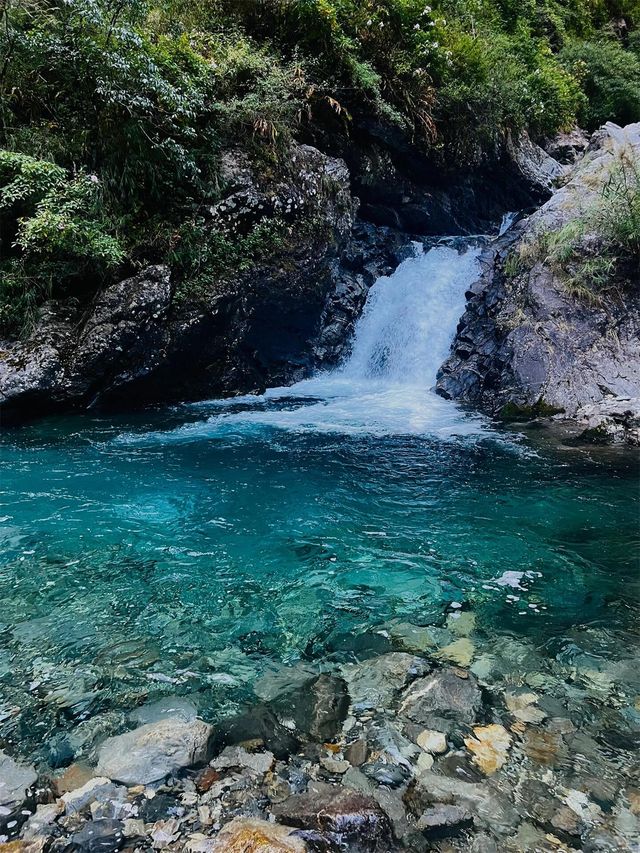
385	386
410	318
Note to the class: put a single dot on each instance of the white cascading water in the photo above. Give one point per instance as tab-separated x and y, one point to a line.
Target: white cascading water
385	387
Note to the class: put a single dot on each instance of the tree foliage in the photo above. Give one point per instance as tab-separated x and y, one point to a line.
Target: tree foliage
114	113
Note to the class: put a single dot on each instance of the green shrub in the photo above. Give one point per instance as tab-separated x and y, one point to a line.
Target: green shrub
609	75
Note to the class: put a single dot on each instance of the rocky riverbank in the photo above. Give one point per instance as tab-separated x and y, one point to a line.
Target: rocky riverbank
445	741
530	344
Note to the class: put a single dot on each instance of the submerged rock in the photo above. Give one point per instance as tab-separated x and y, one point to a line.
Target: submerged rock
442	701
490	747
375	683
151	752
246	835
317	708
350	816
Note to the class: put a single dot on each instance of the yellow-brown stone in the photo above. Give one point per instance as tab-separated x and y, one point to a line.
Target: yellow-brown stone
248	835
490	747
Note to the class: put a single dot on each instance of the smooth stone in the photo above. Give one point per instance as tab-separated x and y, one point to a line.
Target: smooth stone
149	753
383	773
374	684
443	820
74	777
334	765
462	623
442	700
490	747
98	788
236	756
352	816
252	835
424	762
432	741
416	639
169	706
261	723
461	652
15	780
99	836
356	752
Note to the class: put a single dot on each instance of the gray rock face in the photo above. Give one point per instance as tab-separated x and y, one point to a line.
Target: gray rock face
149	753
120	342
15	779
442	701
526	346
537	167
134	344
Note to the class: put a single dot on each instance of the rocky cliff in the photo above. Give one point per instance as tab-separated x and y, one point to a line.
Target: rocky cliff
149	339
531	345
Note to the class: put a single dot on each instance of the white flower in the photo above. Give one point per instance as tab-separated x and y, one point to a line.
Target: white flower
416	26
94	179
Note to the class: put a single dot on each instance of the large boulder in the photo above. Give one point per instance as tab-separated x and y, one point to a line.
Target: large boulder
150	752
528	346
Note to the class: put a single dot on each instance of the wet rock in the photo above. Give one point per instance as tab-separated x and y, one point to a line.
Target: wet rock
164	832
440	821
236	756
244	835
385	773
432	741
151	752
75	776
543	747
350	816
98	836
356	752
318	708
335	766
169	706
461	623
442	701
260	723
15	780
488	806
490	747
417	639
522	705
99	788
460	651
159	808
375	683
41	823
